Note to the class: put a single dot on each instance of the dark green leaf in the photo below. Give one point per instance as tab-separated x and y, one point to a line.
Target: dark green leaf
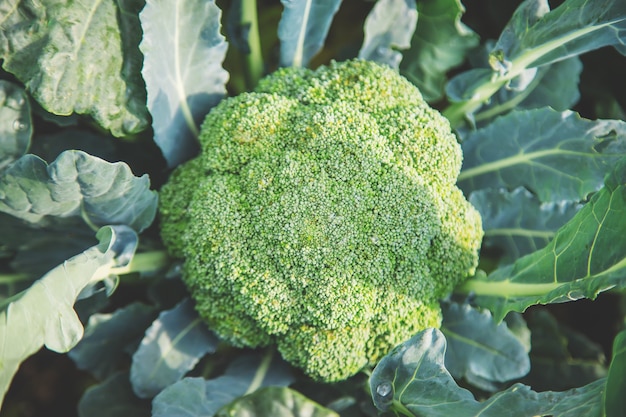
15	123
183	51
480	350
586	256
413	376
558	156
440	43
171	347
191	397
412	381
113	398
534	37
561	358
303	28
388	27
78	57
614	400
46	306
106	337
77	184
275	402
554	86
516	223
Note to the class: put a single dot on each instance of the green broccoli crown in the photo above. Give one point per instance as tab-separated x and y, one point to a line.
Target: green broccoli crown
322	216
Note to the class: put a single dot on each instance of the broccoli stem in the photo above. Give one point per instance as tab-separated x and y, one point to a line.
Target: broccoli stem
253	67
505	288
142	262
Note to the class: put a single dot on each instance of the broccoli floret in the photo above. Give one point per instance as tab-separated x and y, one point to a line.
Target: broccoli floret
322	216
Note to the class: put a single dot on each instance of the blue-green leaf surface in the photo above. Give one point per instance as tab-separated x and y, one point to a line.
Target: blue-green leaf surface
107	336
558	156
412	381
46	307
614	399
191	397
516	223
533	37
554	86
388	27
561	357
275	402
15	123
440	42
480	350
172	346
303	28
586	256
183	54
113	397
77	184
78	57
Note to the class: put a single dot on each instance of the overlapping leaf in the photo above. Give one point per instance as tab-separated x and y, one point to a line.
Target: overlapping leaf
480	350
440	42
535	37
516	223
558	156
192	396
275	402
412	381
587	256
171	347
303	28
113	397
77	184
183	51
78	57
389	26
108	336
47	306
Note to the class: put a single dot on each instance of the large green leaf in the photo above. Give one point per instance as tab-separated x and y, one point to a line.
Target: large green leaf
172	346
78	57
412	381
192	396
113	397
480	350
516	223
388	27
440	43
43	314
558	156
275	402
535	37
554	86
561	358
77	184
303	28
183	51
614	399
573	28
15	123
587	256
108	336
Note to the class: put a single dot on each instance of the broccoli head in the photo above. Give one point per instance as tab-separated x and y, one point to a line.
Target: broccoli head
322	216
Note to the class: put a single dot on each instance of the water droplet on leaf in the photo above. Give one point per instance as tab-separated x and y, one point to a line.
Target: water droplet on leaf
384	390
19	125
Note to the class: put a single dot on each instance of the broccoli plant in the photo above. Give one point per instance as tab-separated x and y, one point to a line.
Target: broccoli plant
322	216
312	208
